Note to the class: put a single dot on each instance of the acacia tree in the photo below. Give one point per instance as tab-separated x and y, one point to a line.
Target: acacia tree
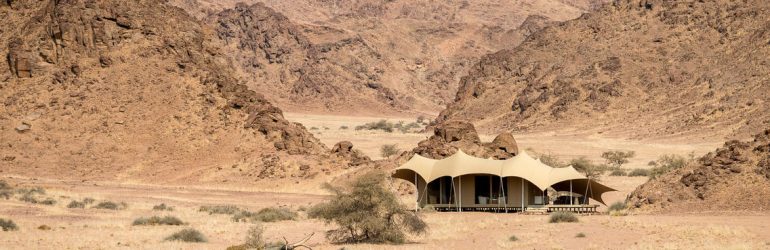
368	212
588	168
616	158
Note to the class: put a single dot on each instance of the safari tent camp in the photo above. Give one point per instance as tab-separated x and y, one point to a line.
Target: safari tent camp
466	183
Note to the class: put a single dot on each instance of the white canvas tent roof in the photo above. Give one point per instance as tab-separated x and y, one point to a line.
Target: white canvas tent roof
521	165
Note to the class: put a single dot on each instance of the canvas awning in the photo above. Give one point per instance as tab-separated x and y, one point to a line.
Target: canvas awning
521	165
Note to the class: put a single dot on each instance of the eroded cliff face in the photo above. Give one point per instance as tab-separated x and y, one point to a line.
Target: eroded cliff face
136	90
735	177
636	68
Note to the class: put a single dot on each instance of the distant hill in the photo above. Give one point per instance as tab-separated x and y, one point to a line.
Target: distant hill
637	69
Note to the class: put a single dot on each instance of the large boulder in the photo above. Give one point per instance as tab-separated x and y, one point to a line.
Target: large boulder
450	136
345	150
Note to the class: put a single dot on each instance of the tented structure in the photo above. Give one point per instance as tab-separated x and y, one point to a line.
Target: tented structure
464	182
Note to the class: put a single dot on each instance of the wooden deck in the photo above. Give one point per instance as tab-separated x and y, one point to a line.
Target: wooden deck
513	209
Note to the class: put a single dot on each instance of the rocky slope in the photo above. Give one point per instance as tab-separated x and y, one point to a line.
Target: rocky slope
733	178
370	56
636	68
136	91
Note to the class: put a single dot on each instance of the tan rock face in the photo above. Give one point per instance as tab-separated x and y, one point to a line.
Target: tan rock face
734	177
627	76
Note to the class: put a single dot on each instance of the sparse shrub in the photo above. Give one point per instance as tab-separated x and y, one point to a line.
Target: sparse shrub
513	238
388	150
421	119
406	128
383	125
76	204
617	206
580	235
88	200
220	209
652	163
255	238
48	201
313	128
187	235
368	212
44	227
31	191
8	225
668	163
28	198
618	172
639	172
562	216
162	207
7	194
111	205
269	214
343	127
4	185
157	220
616	159
588	168
551	160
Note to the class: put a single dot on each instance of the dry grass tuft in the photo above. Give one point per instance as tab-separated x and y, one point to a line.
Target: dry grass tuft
157	220
111	205
562	216
8	225
219	209
269	214
187	235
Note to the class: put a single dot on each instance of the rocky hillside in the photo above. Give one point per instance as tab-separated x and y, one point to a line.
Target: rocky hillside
136	90
734	177
635	68
370	56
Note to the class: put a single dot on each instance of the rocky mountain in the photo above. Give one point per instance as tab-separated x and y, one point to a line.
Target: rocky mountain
136	90
370	56
635	68
734	177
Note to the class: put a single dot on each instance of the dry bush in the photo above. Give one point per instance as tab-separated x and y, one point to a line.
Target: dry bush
668	163
269	214
618	172
388	150
157	220
187	235
551	160
8	225
343	127
513	238
639	172
580	235
76	204
162	207
562	216
220	209
588	168
48	201
368	212
111	205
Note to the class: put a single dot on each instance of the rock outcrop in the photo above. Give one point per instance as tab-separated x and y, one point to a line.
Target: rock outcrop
734	177
630	62
451	136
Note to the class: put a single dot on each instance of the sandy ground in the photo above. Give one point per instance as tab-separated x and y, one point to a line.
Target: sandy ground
106	229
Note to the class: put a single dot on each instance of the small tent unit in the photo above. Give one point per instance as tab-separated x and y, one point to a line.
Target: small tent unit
466	183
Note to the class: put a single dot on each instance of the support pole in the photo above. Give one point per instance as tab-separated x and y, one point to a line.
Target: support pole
570	193
460	199
502	191
522	194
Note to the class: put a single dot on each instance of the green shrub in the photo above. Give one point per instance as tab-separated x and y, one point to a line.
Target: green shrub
513	238
639	172
616	159
618	172
388	150
265	215
219	209
157	220
588	168
562	216
8	225
368	212
187	235
111	205
383	125
580	235
617	206
162	207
